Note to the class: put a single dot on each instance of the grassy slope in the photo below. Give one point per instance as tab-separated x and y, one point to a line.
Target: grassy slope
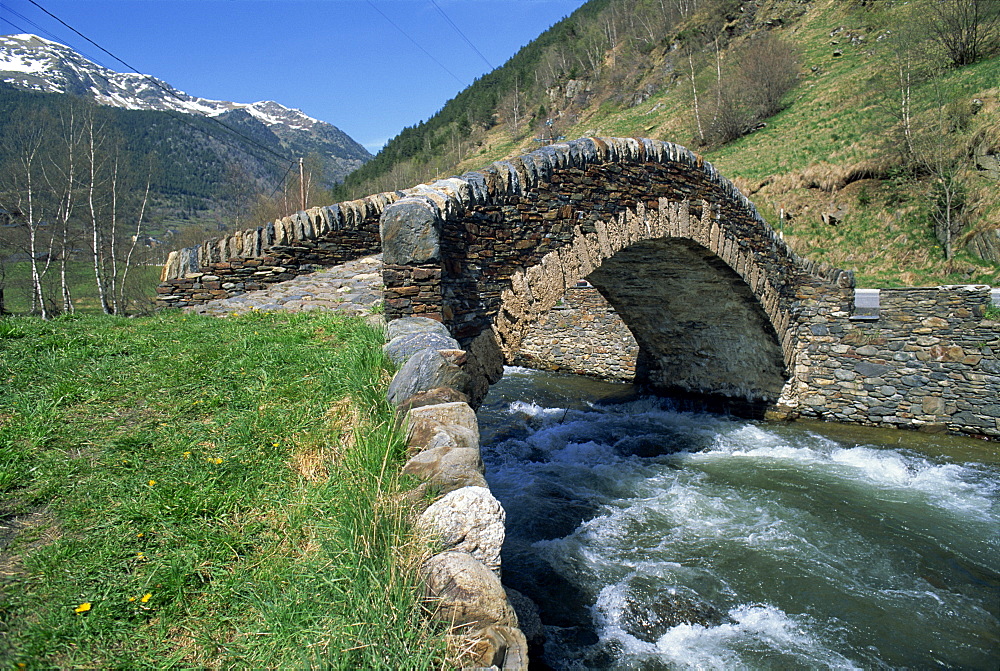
832	121
220	492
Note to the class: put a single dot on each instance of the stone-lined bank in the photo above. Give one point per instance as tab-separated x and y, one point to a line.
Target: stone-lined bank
930	361
430	393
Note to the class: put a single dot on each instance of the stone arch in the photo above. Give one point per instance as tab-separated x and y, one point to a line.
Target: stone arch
488	252
706	317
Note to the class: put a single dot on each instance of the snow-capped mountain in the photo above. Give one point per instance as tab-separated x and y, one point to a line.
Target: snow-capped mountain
33	63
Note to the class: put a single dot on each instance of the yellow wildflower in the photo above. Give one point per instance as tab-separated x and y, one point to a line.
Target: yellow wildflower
214	460
146	597
131	598
187	455
139	535
152	482
82	608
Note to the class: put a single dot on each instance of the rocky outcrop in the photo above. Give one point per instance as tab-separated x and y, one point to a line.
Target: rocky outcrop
986	245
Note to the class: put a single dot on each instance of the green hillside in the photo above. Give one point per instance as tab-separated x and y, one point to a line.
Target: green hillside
879	126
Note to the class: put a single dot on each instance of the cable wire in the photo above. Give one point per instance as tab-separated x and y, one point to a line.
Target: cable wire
459	31
406	35
165	89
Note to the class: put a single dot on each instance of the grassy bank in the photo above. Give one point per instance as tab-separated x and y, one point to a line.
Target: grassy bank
182	491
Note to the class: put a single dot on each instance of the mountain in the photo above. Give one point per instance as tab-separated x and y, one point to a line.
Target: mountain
853	125
31	63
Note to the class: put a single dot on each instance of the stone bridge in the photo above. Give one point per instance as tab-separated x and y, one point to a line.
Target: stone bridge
713	297
718	304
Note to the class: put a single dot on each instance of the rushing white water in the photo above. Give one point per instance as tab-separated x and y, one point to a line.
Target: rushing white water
652	538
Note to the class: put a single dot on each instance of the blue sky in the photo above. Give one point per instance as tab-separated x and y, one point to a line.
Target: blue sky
341	61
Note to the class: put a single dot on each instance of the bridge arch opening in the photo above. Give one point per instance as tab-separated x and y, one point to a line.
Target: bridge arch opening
699	327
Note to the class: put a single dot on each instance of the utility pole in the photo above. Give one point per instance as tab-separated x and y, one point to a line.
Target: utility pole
302	185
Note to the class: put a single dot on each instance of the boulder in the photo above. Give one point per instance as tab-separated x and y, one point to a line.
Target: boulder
426	370
448	468
409	325
435	396
494	647
428	420
468	520
835	215
402	347
466	592
528	618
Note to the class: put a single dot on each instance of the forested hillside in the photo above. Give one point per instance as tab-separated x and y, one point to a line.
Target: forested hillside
867	130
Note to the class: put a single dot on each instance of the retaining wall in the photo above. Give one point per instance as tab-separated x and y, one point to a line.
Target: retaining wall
582	335
929	360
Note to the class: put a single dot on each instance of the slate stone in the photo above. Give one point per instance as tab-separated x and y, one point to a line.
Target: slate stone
969	419
866	369
990	366
411	230
425	370
401	348
408	325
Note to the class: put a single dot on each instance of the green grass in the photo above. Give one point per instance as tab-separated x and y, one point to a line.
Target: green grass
142	281
221	492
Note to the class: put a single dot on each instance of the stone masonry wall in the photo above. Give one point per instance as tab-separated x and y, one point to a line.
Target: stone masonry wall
929	361
581	335
276	252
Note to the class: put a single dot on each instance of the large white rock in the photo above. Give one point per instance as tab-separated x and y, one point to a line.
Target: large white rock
468	520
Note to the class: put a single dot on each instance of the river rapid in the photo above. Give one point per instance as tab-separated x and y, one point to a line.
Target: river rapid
654	538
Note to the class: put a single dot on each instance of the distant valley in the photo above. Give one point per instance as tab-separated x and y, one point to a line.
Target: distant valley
213	155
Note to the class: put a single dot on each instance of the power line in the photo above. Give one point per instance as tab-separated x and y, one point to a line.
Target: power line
459	31
16	27
406	35
36	26
165	89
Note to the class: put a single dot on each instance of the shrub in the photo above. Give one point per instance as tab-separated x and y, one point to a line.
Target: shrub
765	70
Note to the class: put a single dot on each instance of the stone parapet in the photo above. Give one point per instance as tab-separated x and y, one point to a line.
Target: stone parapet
275	252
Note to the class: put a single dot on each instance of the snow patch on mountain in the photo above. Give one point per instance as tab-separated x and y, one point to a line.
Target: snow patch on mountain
29	61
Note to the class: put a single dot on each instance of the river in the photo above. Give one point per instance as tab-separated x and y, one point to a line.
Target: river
654	538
